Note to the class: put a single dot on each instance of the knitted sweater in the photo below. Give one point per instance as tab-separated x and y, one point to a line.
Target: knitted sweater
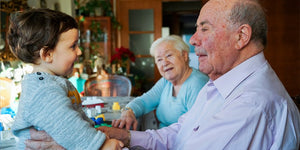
52	104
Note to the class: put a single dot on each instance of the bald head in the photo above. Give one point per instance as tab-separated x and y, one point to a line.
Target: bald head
238	12
228	33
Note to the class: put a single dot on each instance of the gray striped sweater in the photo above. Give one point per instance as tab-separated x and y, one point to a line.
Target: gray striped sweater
52	104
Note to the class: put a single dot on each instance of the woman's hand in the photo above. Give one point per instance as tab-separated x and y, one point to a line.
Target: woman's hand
40	140
127	118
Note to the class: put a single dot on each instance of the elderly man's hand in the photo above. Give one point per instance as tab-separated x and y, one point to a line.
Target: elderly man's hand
116	133
40	140
127	119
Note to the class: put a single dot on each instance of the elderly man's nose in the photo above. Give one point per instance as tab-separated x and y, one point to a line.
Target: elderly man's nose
194	40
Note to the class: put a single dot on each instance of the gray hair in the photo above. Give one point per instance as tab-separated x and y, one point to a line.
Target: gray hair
250	12
177	41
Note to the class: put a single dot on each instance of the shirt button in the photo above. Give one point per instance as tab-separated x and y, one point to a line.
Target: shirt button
41	78
38	73
196	129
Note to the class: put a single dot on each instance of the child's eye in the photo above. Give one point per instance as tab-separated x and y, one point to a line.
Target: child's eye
74	46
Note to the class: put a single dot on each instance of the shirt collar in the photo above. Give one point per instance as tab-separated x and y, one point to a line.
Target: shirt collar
230	80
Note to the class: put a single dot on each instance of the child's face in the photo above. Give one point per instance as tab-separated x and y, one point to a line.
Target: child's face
65	53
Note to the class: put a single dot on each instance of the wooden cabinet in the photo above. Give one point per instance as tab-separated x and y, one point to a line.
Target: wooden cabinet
5	53
96	37
141	24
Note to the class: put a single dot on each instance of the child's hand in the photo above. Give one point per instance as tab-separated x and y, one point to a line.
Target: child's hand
112	144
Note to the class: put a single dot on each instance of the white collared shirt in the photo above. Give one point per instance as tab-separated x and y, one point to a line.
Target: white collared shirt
249	110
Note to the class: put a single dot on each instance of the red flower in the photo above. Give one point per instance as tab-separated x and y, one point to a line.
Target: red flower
122	54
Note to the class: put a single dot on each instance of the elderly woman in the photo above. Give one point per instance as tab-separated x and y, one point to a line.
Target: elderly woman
174	94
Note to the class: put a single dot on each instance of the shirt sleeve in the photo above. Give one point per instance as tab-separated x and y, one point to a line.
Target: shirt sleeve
149	100
51	110
247	124
164	138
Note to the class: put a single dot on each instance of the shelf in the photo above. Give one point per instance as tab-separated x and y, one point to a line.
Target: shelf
99	39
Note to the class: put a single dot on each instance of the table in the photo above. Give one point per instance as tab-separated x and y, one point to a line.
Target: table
147	121
108	102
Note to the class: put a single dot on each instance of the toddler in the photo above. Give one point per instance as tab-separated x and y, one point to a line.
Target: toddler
48	40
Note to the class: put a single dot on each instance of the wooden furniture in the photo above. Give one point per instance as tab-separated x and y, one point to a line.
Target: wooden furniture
96	37
141	24
5	53
108	85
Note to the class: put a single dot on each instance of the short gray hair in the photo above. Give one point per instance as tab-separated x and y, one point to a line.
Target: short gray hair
251	12
177	41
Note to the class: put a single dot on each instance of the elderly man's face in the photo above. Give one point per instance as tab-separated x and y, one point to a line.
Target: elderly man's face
213	40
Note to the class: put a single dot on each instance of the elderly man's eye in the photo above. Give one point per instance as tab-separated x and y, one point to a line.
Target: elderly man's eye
204	29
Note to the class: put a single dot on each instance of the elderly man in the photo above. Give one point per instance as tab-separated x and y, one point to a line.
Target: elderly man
244	105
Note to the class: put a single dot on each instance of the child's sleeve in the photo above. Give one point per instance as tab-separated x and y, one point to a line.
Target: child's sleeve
52	111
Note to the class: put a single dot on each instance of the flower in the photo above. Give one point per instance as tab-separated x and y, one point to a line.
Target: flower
122	55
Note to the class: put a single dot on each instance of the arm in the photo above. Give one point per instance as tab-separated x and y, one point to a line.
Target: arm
164	138
149	100
150	139
54	114
251	125
41	140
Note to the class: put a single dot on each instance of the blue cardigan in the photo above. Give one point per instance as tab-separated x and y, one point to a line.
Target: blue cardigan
169	108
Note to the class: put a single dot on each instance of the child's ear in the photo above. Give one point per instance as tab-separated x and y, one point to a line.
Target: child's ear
46	55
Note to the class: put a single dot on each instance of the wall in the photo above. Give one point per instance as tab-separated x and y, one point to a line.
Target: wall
283	48
66	6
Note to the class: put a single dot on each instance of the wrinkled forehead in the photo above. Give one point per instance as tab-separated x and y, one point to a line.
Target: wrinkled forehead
165	48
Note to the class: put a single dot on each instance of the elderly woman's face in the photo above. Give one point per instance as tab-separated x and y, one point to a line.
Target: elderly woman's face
170	62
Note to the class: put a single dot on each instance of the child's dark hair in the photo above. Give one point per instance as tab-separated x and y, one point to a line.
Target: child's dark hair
35	29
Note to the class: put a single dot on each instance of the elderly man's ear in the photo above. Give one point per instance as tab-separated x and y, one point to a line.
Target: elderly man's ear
243	36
